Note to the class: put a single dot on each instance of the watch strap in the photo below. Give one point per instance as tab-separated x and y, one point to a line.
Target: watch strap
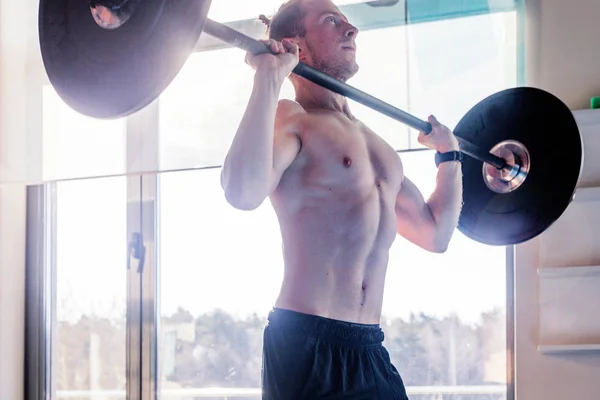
449	156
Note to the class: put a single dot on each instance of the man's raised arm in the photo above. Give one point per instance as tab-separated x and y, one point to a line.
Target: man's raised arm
262	147
430	224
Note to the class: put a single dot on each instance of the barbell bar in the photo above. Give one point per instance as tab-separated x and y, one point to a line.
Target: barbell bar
110	67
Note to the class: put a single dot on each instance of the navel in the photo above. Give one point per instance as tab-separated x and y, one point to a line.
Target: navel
347	162
363	295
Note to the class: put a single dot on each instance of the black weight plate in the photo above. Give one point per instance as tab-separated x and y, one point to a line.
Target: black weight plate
105	73
546	126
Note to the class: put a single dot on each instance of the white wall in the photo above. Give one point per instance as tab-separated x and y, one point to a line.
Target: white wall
12	290
562	307
563	55
557	301
16	41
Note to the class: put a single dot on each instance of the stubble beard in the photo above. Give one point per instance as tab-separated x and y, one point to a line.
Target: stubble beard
336	69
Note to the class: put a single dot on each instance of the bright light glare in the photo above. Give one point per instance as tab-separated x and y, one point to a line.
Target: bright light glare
235	10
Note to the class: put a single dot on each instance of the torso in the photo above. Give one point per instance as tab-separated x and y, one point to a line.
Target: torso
335	206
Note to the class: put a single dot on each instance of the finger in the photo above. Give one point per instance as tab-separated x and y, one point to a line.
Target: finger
433	120
248	58
280	48
266	42
273	46
295	50
290	46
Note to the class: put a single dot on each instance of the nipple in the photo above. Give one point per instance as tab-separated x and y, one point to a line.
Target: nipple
347	162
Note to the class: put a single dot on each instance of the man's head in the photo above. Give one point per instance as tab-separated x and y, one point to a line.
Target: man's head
325	37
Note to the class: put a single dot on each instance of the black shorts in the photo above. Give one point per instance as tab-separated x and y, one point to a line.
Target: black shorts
311	357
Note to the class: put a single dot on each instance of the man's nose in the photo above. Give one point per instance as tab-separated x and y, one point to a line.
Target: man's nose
350	31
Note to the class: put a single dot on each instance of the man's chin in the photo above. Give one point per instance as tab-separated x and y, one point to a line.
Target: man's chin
341	73
350	73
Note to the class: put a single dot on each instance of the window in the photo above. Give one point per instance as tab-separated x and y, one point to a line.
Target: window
217	269
236	10
197	132
219	274
89	264
77	146
90	331
455	63
442	68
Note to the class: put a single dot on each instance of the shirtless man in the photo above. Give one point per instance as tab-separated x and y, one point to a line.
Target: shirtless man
341	199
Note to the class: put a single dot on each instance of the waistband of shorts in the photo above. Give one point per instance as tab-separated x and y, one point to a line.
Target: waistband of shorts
327	329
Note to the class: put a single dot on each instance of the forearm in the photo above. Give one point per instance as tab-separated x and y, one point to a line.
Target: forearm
249	162
445	202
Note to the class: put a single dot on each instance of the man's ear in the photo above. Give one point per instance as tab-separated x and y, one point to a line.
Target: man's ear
301	46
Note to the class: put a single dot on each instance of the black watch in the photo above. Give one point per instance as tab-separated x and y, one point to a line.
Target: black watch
449	156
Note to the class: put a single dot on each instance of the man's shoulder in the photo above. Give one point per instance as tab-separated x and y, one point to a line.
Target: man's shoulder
289	115
287	107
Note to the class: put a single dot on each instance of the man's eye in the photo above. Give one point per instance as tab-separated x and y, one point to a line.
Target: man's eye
330	19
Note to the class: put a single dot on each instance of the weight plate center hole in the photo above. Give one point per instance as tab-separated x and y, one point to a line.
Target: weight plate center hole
514	174
108	18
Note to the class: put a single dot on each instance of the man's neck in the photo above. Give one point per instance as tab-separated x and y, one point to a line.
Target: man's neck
312	96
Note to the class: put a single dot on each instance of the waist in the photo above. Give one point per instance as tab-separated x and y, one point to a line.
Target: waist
344	294
326	329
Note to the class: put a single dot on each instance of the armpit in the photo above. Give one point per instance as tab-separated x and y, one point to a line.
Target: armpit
288	119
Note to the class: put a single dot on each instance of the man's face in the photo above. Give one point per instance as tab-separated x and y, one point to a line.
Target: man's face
329	44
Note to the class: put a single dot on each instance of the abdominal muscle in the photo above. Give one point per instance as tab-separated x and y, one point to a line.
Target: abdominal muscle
335	251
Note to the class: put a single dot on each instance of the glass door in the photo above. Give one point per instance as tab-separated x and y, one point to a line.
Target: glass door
90	276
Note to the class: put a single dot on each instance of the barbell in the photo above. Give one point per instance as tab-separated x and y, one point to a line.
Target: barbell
111	58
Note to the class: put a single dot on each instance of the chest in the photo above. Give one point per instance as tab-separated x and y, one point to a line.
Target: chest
344	153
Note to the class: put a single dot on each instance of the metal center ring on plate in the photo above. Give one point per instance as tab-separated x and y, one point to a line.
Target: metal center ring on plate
512	176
